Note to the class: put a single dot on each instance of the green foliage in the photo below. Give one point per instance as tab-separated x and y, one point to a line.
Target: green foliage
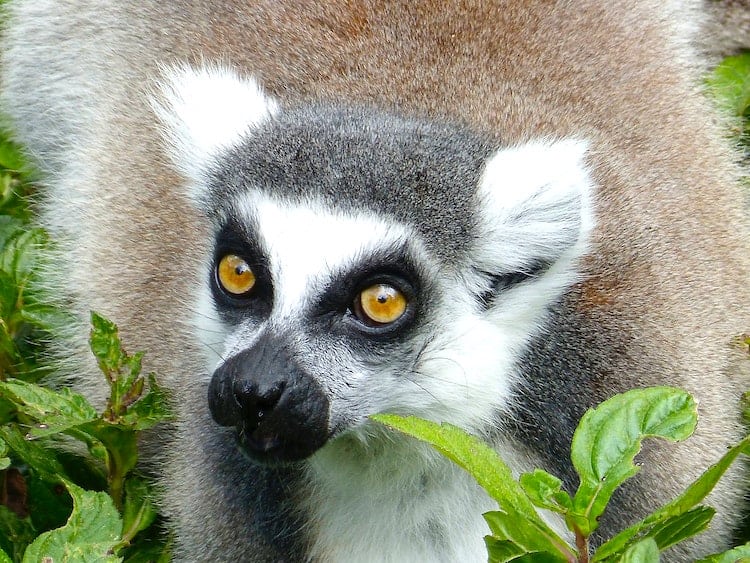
14	184
676	509
27	319
516	526
644	551
602	452
91	533
739	554
609	437
729	84
51	504
100	525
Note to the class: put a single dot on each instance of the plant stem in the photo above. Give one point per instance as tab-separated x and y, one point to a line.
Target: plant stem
129	534
115	477
582	543
122	454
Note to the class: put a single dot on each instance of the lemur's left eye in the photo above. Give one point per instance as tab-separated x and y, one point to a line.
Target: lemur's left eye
235	276
380	304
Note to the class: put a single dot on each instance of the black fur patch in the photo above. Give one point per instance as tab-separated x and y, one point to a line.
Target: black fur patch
501	282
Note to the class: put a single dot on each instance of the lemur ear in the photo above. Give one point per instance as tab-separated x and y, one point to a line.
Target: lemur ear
204	110
536	202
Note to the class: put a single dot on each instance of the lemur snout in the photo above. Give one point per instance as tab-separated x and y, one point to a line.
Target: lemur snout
279	411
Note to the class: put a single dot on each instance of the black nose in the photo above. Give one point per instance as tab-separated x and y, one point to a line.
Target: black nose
256	401
279	410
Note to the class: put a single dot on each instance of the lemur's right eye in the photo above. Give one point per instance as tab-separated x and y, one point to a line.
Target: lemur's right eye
235	276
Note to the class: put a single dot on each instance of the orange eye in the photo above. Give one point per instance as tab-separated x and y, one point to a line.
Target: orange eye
235	275
380	304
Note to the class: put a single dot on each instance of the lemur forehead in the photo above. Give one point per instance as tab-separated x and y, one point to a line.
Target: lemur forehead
447	183
363	161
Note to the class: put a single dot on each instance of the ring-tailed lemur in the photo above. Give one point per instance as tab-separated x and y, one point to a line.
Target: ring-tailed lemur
495	214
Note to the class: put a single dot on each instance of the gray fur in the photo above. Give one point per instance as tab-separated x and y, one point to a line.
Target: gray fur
421	173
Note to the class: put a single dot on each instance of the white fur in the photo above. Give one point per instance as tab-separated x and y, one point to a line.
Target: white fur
396	500
400	505
211	333
306	243
206	110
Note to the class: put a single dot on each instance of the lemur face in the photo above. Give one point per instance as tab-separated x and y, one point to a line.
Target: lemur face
366	262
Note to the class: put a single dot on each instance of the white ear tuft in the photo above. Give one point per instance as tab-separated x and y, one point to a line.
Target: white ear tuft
205	110
536	206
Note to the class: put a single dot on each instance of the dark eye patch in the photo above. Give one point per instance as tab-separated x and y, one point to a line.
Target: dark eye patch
395	267
235	238
502	282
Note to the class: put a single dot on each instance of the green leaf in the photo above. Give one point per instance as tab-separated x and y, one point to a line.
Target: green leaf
105	344
43	460
10	155
114	437
9	227
90	534
645	551
500	551
746	395
44	316
151	552
4	557
139	511
680	527
13	190
20	250
738	554
54	411
523	534
730	84
126	404
15	533
49	503
8	301
4	461
151	409
117	445
481	461
545	491
608	438
489	470
693	495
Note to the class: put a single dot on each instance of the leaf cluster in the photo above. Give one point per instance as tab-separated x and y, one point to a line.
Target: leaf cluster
603	450
729	85
96	506
52	499
27	319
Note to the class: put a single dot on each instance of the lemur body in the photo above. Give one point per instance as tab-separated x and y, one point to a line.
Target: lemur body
495	214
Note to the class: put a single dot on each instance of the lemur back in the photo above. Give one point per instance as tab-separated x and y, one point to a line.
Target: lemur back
565	224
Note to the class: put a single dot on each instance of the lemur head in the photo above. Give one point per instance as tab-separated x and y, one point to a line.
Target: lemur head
366	262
